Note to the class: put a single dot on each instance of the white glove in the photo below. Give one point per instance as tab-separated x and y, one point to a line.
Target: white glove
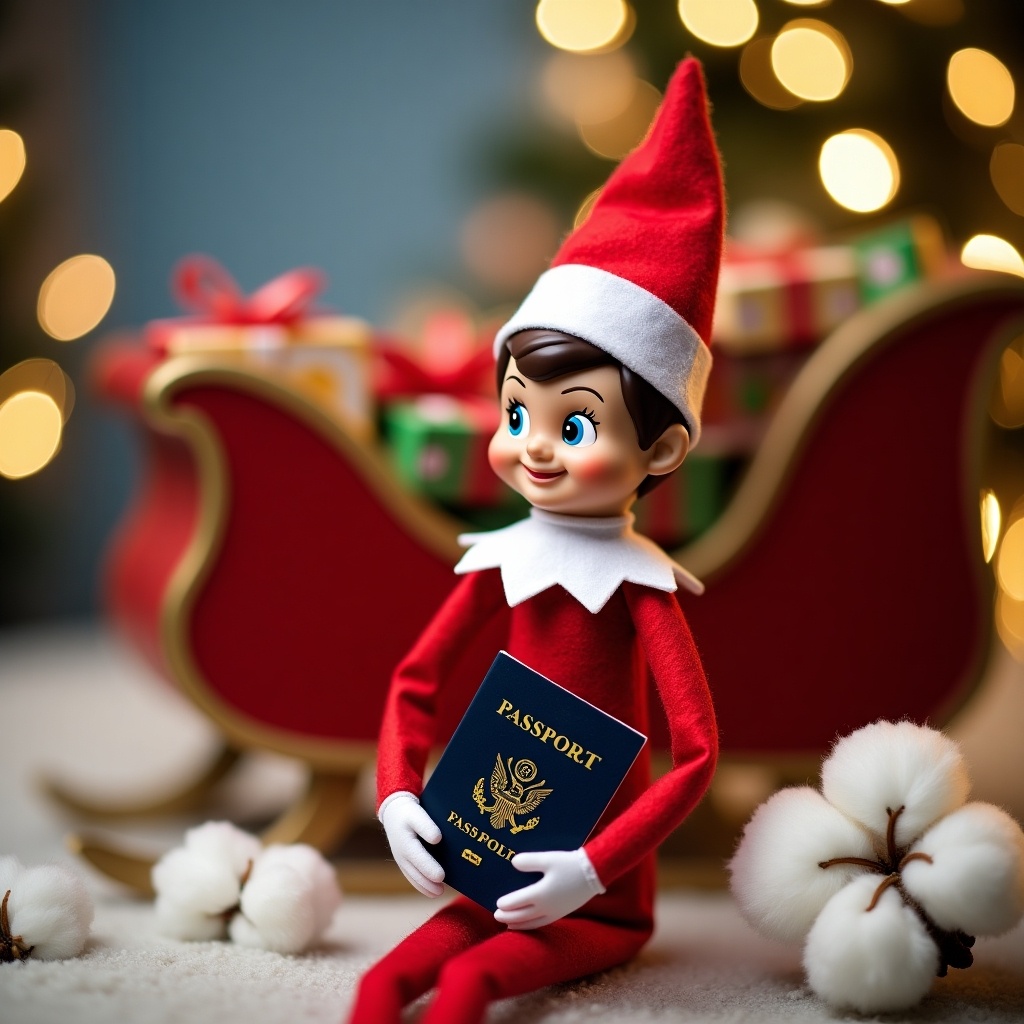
405	823
569	881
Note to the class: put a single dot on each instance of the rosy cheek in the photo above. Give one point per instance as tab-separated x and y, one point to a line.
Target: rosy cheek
592	468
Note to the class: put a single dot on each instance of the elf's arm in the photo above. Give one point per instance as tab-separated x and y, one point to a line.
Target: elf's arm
679	676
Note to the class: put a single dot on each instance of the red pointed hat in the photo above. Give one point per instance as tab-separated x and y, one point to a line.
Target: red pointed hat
637	279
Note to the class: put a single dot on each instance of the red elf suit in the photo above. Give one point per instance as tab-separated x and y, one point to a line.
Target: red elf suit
592	603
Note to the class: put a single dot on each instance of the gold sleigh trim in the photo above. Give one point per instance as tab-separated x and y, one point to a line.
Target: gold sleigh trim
825	372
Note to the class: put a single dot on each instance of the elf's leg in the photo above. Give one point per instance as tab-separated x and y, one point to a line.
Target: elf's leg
412	966
514	962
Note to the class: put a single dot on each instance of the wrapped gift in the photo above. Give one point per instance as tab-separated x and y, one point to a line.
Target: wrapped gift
688	502
323	356
749	387
891	257
439	447
778	300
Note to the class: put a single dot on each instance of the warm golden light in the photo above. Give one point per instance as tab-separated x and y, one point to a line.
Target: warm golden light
1007	404
1010	624
585	26
934	12
759	79
808	3
991	520
1007	170
43	375
30	429
75	297
587	90
614	138
720	22
981	87
585	207
12	161
895	3
1010	563
859	170
812	60
990	252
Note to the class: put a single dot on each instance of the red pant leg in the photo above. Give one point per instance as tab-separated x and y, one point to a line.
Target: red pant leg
514	962
412	966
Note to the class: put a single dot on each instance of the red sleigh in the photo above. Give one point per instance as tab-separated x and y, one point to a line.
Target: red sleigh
274	569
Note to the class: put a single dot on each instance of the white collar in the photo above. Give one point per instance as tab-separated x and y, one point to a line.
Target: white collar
589	557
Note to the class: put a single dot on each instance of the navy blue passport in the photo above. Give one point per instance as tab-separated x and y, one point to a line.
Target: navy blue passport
531	766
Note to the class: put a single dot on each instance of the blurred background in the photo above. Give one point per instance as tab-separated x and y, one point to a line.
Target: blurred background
431	156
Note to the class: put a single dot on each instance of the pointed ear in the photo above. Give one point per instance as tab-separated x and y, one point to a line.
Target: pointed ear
668	452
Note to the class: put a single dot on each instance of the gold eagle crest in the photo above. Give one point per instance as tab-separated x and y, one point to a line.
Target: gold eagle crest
512	794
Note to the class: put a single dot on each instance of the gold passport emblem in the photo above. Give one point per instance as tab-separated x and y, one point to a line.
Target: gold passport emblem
514	793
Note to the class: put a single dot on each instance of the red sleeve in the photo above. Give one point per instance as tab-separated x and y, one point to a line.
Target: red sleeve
679	676
407	729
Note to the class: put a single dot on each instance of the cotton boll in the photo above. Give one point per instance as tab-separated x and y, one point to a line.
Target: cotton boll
222	842
52	910
49	907
278	910
869	961
895	764
197	884
975	882
775	874
176	922
325	895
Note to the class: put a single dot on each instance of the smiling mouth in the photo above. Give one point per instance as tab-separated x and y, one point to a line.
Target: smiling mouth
539	477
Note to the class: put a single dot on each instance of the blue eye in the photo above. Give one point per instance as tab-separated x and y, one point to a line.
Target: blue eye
579	430
518	419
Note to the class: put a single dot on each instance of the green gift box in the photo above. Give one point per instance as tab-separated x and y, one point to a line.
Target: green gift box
898	254
438	445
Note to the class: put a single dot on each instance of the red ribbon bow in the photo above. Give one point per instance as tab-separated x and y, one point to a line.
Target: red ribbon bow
203	286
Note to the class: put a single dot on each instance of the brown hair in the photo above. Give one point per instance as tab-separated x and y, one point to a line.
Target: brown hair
544	355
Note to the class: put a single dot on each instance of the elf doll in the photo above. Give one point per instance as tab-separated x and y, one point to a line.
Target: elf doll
601	373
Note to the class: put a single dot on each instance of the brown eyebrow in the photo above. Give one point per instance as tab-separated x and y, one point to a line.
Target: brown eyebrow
568	391
512	376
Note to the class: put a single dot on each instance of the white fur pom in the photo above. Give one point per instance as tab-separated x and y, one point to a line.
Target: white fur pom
775	874
895	764
49	907
975	882
869	961
288	901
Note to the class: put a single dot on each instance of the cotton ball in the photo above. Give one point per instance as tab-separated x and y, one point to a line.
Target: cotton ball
975	882
178	922
775	874
288	901
870	961
895	764
49	907
223	842
196	885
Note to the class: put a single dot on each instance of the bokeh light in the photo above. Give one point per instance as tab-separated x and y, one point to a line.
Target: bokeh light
587	90
991	521
720	22
507	241
859	170
808	3
990	252
980	86
12	161
1007	170
1010	563
75	296
934	12
614	138
585	207
30	430
1007	404
758	76
585	26
812	60
1010	624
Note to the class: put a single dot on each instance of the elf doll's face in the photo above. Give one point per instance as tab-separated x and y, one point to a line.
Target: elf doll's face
569	445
